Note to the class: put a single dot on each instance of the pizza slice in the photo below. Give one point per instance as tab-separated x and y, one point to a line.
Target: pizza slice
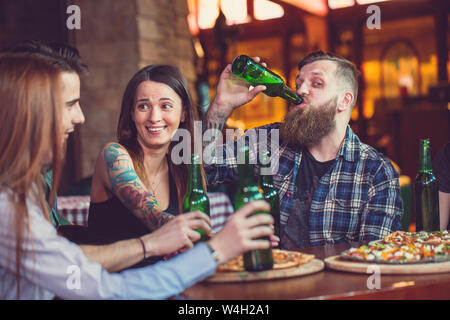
282	259
394	253
403	237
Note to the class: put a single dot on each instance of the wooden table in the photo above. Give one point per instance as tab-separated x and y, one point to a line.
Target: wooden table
328	284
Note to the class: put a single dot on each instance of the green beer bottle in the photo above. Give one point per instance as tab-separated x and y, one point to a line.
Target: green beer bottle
426	192
256	260
196	198
255	74
270	192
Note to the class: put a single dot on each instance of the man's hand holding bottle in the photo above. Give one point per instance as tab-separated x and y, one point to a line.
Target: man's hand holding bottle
243	231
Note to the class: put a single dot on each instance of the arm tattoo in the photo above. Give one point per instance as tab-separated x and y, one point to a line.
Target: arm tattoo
126	185
214	125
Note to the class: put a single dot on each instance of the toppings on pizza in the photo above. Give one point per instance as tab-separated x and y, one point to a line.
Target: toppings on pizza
282	259
404	247
402	237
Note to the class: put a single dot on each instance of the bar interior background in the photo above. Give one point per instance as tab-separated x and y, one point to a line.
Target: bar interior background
404	89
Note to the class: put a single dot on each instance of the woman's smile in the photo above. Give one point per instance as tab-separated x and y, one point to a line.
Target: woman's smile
155	130
157	113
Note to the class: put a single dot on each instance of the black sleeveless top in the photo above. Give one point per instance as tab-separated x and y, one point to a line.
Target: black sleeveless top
113	221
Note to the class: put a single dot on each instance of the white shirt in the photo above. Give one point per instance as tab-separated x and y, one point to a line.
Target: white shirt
52	265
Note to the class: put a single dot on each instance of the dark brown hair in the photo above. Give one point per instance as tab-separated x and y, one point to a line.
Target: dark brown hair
62	56
126	129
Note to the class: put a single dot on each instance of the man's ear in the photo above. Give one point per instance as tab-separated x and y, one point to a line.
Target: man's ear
345	100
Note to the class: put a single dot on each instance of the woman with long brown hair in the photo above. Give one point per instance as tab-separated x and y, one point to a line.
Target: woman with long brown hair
29	113
137	187
37	263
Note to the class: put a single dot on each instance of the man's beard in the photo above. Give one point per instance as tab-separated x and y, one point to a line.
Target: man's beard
306	127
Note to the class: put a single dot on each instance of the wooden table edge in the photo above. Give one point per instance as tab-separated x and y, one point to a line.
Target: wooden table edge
429	291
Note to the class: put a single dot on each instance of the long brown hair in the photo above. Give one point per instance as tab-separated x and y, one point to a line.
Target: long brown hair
126	129
30	127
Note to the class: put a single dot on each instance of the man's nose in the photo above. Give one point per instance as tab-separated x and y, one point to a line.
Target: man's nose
79	116
302	89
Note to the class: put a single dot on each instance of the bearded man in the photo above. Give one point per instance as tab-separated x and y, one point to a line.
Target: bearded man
333	188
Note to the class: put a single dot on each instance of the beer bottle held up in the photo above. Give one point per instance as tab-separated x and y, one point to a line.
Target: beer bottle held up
426	192
196	198
255	74
248	190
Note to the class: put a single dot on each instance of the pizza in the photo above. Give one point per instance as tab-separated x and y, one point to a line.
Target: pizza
282	259
402	237
404	247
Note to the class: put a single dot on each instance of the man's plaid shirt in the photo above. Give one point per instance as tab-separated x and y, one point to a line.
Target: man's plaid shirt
357	199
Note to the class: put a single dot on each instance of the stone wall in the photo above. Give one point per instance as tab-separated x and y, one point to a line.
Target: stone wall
118	37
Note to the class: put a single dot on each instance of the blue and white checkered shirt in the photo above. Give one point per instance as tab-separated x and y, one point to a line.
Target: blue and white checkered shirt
357	199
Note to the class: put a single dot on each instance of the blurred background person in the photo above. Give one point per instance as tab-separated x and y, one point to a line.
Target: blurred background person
441	168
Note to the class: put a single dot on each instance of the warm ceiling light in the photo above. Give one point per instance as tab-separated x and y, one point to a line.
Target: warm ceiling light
192	17
369	1
335	4
235	11
318	7
198	48
207	13
264	10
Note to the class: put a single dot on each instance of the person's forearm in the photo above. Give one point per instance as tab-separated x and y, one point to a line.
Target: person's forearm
128	187
213	121
117	256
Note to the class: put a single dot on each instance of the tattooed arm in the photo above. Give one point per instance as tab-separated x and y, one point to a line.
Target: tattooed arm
120	178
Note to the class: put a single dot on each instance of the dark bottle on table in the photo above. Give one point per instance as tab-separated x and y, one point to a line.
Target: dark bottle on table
255	74
270	192
426	192
248	190
196	198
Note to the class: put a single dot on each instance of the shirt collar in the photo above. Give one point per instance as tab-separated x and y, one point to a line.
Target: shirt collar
349	149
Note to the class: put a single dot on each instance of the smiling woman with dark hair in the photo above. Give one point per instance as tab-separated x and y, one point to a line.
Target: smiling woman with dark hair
136	187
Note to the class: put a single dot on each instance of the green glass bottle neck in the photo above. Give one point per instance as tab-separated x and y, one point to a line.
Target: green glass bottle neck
246	175
425	157
195	177
245	169
266	180
289	95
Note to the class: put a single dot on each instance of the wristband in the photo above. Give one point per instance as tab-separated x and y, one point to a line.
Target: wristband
213	253
143	247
